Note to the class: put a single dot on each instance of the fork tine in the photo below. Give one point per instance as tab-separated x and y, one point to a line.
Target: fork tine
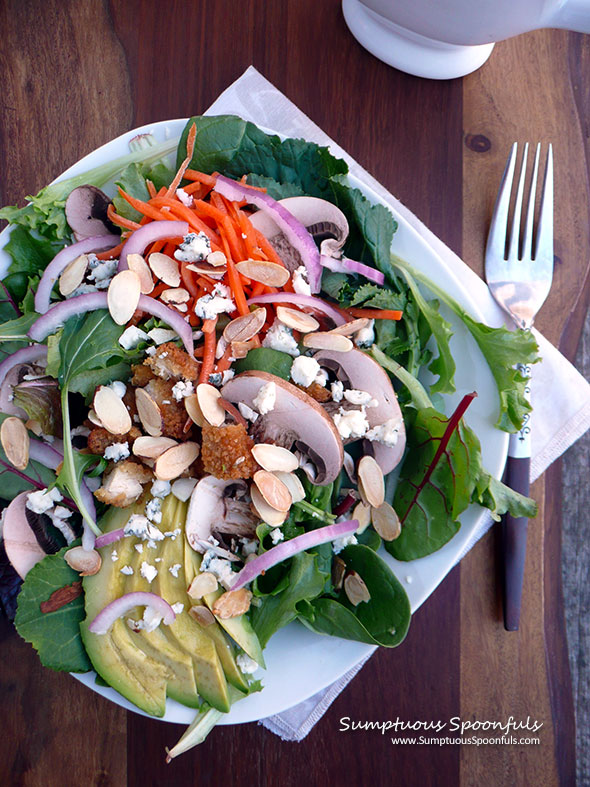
496	244
527	242
544	245
515	231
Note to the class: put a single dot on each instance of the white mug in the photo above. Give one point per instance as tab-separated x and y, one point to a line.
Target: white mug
439	40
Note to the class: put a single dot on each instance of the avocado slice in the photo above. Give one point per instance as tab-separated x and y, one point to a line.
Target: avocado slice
134	674
239	628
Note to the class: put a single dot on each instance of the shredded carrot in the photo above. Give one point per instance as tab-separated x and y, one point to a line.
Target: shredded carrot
266	247
190	147
142	207
225	361
188	215
201	177
234	279
120	221
159	289
169	249
110	253
197	189
193	319
208	350
188	279
258	289
244	182
376	314
150	187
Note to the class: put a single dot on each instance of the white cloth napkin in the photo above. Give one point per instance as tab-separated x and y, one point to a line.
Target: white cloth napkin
562	412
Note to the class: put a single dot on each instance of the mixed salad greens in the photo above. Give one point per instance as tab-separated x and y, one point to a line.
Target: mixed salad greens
212	416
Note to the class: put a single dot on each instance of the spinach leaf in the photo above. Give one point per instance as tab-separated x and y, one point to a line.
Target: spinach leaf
273	188
31	253
264	359
383	620
54	635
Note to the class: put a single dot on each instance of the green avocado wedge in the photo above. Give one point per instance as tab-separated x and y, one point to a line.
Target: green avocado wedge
138	677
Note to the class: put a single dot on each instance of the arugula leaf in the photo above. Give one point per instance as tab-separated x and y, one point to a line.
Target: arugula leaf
383	620
305	582
54	635
375	297
13	481
500	499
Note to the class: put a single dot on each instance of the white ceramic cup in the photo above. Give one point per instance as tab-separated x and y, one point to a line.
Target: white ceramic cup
443	40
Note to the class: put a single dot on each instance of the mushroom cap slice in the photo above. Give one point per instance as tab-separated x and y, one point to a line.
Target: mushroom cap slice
86	211
316	435
205	510
22	548
360	371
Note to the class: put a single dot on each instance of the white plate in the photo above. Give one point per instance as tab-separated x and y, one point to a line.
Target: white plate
299	662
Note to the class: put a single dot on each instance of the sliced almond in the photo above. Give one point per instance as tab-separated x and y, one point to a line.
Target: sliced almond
338	572
175	461
350	328
269	273
232	604
191	404
326	340
34	427
273	457
111	411
241	349
202	585
355	589
73	274
208	397
15	442
268	514
94	419
138	265
86	561
202	615
362	514
165	268
273	490
175	295
149	412
246	327
299	321
293	484
123	296
208	270
386	522
216	258
371	483
152	447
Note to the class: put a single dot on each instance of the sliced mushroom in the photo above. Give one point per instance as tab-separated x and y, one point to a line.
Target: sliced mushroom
358	370
86	212
22	547
210	511
316	437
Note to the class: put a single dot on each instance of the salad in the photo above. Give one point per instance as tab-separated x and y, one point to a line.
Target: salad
214	416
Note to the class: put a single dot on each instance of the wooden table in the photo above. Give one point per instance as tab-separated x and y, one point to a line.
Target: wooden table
76	74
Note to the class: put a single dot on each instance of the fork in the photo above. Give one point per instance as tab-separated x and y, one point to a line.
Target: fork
519	282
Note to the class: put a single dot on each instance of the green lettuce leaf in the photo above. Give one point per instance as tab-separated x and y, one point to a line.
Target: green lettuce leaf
265	359
30	253
54	635
501	499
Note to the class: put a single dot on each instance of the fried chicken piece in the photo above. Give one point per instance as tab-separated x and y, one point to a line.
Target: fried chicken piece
141	375
226	452
317	392
123	485
170	361
99	439
174	415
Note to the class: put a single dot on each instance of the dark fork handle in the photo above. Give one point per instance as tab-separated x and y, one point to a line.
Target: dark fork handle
514	543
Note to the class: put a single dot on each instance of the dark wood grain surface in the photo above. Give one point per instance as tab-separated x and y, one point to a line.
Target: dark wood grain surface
76	74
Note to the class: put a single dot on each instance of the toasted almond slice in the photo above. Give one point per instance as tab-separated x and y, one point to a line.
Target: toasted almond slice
362	514
338	572
175	461
149	413
152	447
273	457
293	484
241	349
328	341
202	584
269	273
216	258
208	270
123	296
208	398
370	482
111	411
299	321
86	561
15	442
246	327
386	522
202	615
355	589
350	328
175	295
165	268
94	419
73	274
232	604
137	264
191	404
273	490
268	514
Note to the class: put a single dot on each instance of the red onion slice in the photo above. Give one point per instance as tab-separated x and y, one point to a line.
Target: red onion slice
117	608
61	260
345	265
171	317
32	354
294	231
292	547
317	304
155	230
109	538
